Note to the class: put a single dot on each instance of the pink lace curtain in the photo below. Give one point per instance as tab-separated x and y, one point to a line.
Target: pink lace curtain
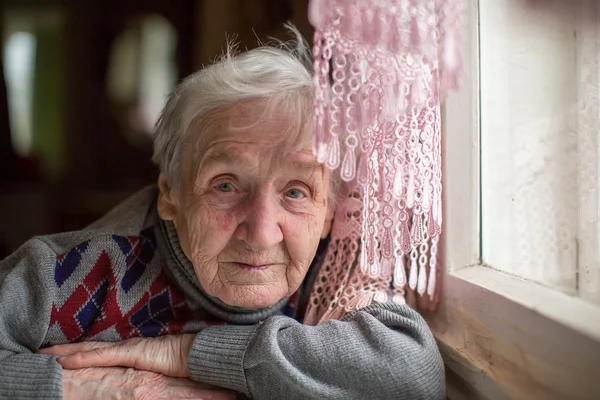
382	67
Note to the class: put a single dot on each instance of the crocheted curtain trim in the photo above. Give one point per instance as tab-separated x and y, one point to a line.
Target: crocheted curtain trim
381	69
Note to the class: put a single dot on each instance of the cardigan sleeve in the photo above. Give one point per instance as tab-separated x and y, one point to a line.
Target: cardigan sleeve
382	351
25	309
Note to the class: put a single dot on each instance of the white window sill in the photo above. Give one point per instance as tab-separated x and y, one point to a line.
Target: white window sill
570	311
509	338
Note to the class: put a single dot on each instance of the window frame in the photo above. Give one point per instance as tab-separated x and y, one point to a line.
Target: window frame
501	336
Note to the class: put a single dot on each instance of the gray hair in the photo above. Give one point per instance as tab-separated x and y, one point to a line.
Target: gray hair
278	74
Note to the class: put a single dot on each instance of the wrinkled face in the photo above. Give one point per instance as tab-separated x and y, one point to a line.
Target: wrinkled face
251	214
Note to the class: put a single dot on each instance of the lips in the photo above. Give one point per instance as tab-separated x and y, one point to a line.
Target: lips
252	266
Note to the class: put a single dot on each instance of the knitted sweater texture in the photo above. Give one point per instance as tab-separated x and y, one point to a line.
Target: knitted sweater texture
126	276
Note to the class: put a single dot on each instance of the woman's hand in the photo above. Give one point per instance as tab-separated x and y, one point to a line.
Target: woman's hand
127	383
157	370
166	355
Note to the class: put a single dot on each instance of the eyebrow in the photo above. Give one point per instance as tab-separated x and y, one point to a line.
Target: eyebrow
307	164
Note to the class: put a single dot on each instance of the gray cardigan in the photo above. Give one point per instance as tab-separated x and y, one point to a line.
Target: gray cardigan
126	276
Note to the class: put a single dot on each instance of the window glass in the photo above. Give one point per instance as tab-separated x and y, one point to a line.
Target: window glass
539	142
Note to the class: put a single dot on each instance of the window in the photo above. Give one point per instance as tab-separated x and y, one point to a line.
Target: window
34	49
519	316
142	73
19	56
539	143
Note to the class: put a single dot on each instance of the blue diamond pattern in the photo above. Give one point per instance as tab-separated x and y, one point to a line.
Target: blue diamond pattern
136	269
125	245
92	309
69	263
154	315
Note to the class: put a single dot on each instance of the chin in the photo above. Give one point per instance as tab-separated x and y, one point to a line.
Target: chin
251	297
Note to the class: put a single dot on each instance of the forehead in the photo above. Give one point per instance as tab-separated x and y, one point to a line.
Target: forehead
249	153
254	129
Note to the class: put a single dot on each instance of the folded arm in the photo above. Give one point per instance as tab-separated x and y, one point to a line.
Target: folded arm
381	351
24	317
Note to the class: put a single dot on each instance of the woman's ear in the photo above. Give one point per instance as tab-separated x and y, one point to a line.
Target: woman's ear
328	222
165	204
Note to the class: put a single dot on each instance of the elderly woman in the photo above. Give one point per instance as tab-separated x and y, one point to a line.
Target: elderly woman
208	270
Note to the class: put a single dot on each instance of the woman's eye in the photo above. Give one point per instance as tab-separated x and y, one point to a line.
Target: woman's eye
295	194
225	187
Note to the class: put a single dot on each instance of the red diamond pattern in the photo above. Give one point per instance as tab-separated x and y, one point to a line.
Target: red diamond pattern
94	303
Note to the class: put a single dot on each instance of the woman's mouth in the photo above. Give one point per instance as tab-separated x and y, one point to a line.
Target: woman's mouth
252	267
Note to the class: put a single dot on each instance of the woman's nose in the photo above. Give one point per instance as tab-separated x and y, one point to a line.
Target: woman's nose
260	229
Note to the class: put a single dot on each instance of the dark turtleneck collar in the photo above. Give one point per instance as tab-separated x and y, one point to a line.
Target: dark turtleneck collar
179	267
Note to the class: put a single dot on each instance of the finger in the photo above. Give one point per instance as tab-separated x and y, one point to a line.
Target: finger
166	355
108	356
94	373
188	382
72	348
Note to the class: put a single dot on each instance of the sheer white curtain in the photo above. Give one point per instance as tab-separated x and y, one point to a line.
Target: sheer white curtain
588	131
540	123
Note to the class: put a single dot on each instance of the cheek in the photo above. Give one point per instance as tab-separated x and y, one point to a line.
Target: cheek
209	230
302	237
224	222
